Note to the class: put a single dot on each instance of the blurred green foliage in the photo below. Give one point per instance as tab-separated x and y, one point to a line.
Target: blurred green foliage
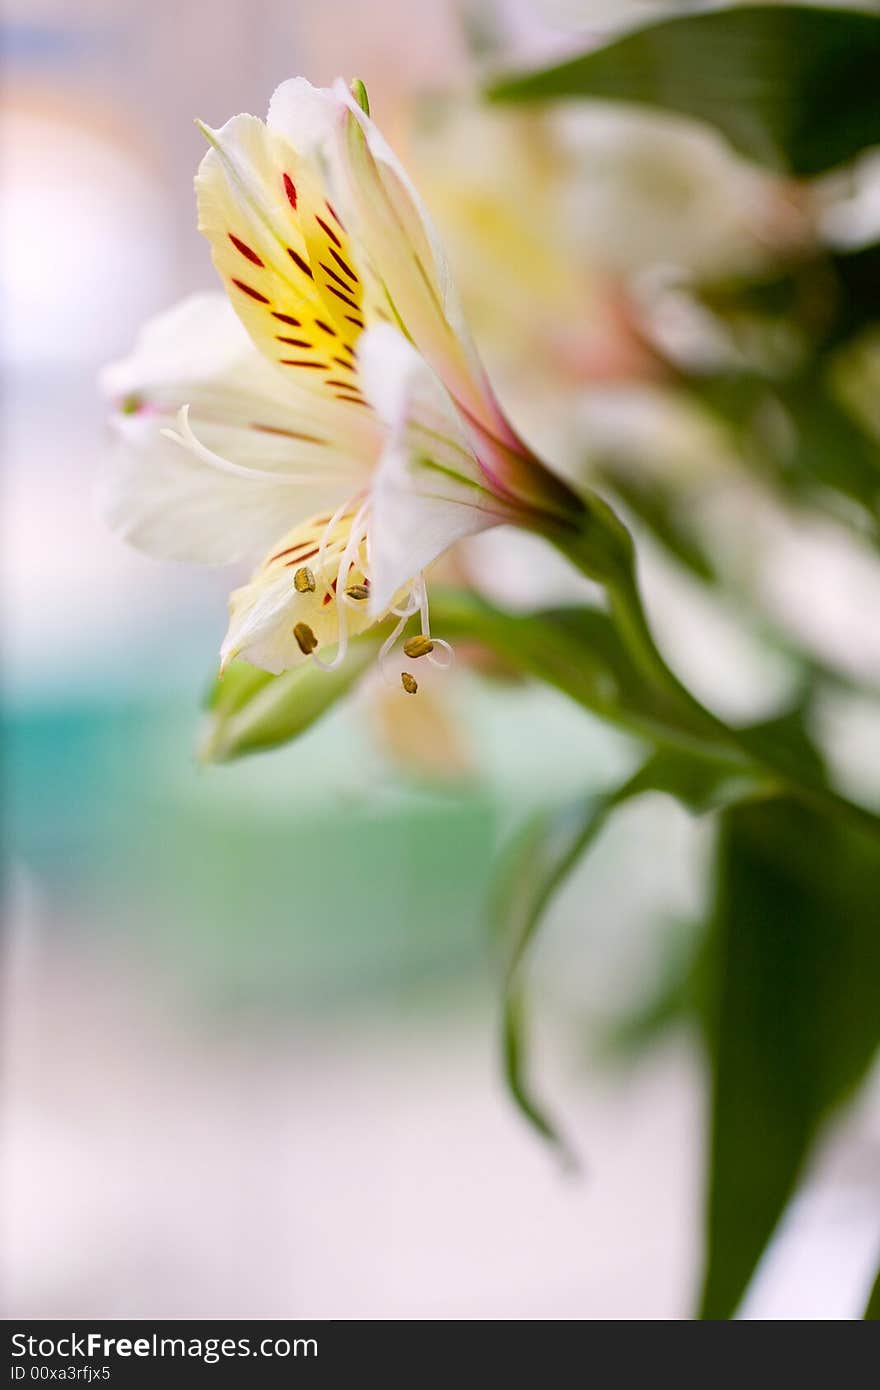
790	86
785	975
792	1017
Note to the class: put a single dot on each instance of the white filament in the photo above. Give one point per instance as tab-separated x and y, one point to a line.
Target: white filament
355	536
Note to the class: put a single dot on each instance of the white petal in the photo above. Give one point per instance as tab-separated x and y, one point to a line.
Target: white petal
410	528
161	498
164	348
198	353
305	115
426	493
261	626
265	456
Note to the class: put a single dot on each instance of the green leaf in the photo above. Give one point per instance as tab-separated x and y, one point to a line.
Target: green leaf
793	1019
250	710
231	692
675	995
514	1053
872	1311
579	651
541	857
790	86
536	863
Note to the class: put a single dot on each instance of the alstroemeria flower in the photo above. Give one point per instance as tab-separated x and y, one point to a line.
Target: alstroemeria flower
339	419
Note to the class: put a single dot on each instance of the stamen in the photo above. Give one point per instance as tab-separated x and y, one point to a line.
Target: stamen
337	516
449	654
305	638
358	592
304	581
420	589
355	537
403	616
418	646
409	683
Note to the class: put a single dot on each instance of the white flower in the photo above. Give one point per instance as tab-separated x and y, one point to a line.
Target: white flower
338	419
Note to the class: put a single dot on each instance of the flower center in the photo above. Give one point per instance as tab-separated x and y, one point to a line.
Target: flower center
313	594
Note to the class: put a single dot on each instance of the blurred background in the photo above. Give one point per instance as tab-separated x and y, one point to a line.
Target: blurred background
249	1012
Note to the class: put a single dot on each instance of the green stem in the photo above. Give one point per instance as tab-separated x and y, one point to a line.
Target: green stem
627	609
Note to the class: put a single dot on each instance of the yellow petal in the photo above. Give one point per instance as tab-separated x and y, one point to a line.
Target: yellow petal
284	256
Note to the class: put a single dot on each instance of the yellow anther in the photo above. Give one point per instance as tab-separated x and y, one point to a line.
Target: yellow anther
358	591
304	581
409	683
305	638
418	646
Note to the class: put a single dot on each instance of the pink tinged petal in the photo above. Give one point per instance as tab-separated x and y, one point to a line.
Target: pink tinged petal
392	232
333	142
385	220
519	487
403	248
517	476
